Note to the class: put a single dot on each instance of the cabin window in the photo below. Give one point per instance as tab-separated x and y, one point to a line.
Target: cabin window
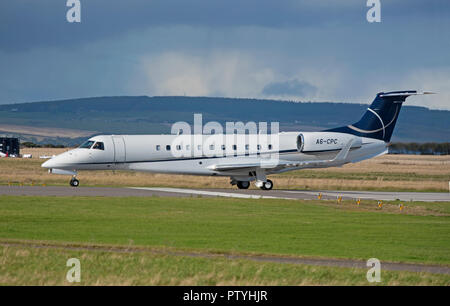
87	145
158	147
223	147
258	147
270	147
99	146
168	148
188	147
211	147
178	147
247	147
234	147
199	147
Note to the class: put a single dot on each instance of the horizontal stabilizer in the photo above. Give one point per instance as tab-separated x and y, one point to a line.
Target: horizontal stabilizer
406	93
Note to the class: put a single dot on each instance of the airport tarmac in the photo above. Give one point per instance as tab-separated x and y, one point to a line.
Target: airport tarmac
232	193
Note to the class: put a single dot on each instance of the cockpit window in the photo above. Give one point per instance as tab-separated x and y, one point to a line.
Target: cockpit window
99	146
87	145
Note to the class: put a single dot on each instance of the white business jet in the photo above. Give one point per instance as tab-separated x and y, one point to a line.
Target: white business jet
244	158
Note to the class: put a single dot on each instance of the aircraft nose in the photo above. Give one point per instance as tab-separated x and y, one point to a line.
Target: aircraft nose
60	161
48	164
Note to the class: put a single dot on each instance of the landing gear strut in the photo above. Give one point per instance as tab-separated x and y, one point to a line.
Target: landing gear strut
261	180
74	182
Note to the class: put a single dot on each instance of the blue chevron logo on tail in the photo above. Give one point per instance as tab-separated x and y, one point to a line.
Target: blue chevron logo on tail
379	120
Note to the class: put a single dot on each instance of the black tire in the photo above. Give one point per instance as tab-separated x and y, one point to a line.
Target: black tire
243	184
74	182
268	185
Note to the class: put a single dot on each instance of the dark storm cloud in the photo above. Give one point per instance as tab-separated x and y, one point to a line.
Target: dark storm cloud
247	48
293	87
28	23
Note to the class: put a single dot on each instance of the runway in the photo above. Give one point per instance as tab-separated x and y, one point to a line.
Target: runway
231	193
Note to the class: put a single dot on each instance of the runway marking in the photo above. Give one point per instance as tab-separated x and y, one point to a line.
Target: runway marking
243	194
211	193
381	195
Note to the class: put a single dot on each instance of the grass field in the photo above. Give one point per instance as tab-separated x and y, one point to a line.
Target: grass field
419	234
386	173
30	266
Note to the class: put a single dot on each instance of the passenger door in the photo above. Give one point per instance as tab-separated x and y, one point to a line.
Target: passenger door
119	149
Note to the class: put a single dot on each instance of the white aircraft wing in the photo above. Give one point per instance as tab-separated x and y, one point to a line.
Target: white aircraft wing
284	165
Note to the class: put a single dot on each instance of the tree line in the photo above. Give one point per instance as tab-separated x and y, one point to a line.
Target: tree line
29	144
429	148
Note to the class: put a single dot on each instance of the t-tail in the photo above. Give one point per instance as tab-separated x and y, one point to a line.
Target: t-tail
379	120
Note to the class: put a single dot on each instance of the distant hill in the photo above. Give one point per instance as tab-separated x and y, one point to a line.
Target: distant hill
148	115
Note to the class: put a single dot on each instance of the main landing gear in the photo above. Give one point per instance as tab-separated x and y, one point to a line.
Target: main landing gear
74	182
261	180
264	185
267	185
243	184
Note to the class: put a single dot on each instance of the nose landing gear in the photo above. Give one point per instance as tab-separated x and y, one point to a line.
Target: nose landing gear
74	182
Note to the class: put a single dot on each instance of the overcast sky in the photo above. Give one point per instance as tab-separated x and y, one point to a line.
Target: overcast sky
315	50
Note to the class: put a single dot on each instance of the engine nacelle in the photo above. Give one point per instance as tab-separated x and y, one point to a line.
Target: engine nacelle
325	141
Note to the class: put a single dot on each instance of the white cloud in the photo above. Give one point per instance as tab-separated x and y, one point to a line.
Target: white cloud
227	74
435	80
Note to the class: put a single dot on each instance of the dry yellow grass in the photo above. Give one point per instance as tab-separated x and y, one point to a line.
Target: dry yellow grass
408	164
36	152
42	131
389	172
